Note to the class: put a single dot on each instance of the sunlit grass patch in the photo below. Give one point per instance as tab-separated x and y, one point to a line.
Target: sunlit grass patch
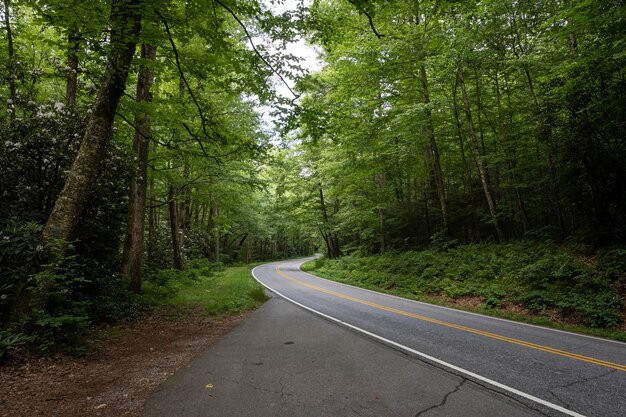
232	290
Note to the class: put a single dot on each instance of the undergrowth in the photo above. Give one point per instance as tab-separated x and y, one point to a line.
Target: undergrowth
540	283
57	308
218	290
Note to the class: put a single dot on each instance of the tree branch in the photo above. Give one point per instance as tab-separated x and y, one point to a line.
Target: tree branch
232	13
369	17
378	35
203	118
200	143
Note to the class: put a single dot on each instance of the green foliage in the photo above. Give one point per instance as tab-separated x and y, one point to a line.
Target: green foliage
380	154
565	282
21	255
110	300
541	278
230	291
11	341
51	300
35	153
541	109
612	263
209	149
210	285
64	331
162	285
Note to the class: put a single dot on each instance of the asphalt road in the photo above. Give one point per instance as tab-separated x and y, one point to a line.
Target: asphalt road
549	371
284	361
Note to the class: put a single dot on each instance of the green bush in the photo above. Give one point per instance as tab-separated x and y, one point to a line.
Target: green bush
21	255
10	341
64	331
612	264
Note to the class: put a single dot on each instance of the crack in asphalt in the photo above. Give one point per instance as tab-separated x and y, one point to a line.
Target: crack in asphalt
355	412
531	405
444	400
576	382
283	403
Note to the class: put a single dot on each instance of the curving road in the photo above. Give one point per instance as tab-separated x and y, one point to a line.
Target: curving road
550	371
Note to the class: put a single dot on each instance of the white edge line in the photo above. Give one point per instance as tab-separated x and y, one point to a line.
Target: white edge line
424	355
602	339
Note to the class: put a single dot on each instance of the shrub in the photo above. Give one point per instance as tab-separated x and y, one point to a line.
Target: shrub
65	331
21	255
10	341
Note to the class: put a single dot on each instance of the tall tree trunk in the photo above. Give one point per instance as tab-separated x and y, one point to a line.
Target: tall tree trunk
185	203
433	150
125	28
380	185
216	231
132	256
71	79
174	230
503	128
475	147
10	63
427	213
573	44
330	237
196	215
555	193
479	110
203	215
152	214
467	173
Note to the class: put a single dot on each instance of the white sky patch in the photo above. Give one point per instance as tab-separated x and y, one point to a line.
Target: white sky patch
301	49
310	60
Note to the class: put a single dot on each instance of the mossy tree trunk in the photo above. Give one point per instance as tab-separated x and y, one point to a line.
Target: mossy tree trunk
125	23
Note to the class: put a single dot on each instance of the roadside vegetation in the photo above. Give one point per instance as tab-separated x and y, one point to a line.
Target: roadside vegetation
215	289
72	320
555	285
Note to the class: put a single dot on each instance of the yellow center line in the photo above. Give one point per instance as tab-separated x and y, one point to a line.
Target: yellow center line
507	339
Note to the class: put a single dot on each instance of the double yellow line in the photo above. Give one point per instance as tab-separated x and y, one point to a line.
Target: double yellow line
507	339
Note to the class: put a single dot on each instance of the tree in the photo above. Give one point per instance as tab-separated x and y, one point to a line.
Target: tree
133	243
125	27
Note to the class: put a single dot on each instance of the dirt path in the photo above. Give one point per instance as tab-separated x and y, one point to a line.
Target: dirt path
117	377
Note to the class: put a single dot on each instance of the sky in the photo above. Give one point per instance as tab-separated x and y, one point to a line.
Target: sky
300	49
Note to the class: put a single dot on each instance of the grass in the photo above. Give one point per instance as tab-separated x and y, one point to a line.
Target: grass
551	286
232	290
215	288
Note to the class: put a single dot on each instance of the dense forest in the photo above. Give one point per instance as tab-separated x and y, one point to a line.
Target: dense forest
469	121
134	141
